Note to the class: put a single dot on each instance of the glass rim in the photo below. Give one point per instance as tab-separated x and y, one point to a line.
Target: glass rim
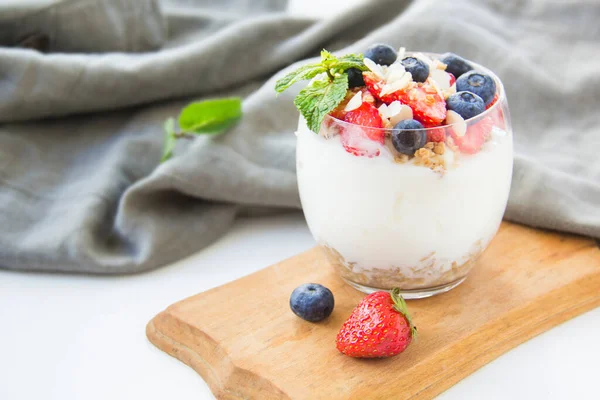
477	67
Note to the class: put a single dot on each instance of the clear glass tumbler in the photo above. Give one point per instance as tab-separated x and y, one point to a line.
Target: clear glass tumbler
386	220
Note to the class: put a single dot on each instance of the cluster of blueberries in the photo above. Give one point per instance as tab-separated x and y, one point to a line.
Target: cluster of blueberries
475	91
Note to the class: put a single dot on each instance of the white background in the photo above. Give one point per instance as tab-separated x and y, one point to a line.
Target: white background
82	337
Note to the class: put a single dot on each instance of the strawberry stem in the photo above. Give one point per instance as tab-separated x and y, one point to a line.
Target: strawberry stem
401	307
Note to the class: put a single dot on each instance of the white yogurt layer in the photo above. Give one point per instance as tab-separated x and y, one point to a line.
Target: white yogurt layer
379	214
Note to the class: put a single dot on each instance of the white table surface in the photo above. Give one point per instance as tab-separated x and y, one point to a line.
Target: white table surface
69	337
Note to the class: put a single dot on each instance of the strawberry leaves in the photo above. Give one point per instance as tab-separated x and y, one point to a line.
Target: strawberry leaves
401	307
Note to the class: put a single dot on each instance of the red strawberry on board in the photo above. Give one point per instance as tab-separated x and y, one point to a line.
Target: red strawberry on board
358	139
379	326
475	136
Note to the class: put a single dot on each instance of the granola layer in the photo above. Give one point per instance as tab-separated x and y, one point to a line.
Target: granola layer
425	276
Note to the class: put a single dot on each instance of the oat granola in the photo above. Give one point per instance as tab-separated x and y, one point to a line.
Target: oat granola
386	279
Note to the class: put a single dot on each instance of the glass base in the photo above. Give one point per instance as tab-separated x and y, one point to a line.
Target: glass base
411	294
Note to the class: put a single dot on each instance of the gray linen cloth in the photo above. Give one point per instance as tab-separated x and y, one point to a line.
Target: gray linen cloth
81	188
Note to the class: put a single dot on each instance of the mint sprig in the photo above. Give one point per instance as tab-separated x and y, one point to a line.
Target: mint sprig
210	117
327	89
303	73
320	98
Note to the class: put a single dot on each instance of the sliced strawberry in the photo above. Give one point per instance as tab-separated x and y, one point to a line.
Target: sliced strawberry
367	116
494	100
339	111
436	135
374	84
452	78
497	114
428	105
359	138
476	135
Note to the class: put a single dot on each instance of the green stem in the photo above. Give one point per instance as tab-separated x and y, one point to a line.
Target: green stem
401	307
330	75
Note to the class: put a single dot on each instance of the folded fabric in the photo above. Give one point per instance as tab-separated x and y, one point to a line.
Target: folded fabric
85	86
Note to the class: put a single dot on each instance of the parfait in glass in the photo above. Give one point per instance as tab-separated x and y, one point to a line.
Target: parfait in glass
405	181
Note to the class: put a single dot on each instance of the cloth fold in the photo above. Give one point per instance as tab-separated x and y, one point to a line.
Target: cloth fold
81	189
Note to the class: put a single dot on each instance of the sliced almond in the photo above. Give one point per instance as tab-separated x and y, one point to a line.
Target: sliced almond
449	92
394	72
437	64
404	112
397	85
401	53
394	108
425	59
354	102
374	67
384	111
459	126
441	78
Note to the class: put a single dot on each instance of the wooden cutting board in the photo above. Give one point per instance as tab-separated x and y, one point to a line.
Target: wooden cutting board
245	342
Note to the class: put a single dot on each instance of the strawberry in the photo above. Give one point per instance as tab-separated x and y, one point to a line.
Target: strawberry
452	78
357	139
476	135
496	114
436	135
374	85
340	111
379	326
428	105
367	115
494	100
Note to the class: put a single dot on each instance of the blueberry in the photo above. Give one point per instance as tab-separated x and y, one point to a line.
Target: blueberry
408	136
456	65
466	104
417	68
312	302
479	83
382	54
355	78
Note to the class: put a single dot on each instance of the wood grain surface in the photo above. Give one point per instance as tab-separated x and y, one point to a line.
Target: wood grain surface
245	342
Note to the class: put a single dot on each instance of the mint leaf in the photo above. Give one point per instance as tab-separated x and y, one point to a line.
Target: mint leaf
357	58
323	95
170	139
328	61
325	55
201	117
210	116
305	72
320	98
350	61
